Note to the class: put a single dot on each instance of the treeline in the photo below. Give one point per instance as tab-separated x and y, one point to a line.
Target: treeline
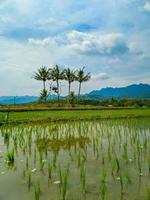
54	75
117	102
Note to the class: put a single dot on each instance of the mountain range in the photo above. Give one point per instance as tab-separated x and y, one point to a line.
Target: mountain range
141	91
131	91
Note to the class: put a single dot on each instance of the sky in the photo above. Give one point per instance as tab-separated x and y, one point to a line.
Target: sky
111	38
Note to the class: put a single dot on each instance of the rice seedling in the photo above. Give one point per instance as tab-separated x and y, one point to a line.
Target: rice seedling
118	165
10	158
6	139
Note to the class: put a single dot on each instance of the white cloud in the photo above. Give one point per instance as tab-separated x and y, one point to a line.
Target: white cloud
147	6
100	76
97	44
43	42
74	42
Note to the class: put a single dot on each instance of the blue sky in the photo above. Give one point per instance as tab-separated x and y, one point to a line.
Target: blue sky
110	37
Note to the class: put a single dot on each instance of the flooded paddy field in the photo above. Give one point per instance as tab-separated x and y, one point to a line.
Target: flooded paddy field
94	160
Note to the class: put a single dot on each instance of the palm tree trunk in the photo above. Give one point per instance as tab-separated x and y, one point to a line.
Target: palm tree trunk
69	88
79	90
58	90
44	86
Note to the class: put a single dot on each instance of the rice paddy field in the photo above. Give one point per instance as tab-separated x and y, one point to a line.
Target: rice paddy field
16	117
82	160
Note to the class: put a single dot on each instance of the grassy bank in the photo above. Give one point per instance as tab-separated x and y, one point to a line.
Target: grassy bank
48	107
71	115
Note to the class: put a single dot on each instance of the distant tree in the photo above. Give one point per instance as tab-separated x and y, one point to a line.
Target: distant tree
42	74
44	95
69	76
81	77
72	99
50	89
56	75
55	89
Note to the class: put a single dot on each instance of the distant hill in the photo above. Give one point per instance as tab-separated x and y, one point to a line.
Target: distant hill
132	91
20	99
17	99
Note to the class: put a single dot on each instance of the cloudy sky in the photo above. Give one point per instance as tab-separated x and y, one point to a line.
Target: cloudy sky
110	37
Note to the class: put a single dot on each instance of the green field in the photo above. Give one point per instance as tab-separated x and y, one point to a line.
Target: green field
72	115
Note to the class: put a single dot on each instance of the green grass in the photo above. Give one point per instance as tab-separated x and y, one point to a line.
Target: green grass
71	115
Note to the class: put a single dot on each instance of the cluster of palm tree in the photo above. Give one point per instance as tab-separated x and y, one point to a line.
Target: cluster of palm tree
55	74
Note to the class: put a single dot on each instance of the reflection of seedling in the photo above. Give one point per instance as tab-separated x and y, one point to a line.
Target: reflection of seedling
103	187
37	191
27	163
121	184
24	173
139	167
113	168
83	177
49	170
60	177
148	193
125	154
35	156
128	179
64	185
149	166
29	179
63	182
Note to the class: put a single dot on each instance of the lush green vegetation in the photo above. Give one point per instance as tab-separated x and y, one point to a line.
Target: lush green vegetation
81	103
70	115
122	102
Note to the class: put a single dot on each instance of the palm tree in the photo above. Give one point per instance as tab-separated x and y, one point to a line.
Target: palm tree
56	75
69	76
82	77
42	74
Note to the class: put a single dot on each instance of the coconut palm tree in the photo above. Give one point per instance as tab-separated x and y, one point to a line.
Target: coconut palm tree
82	77
56	75
69	76
42	74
